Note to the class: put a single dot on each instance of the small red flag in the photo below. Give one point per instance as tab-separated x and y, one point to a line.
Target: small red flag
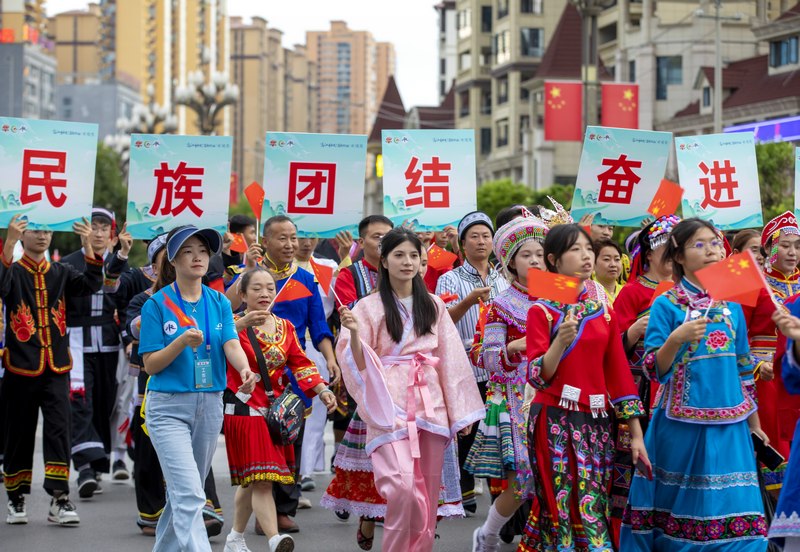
736	278
183	320
563	111
255	196
666	200
620	105
323	274
448	297
553	287
483	316
440	259
217	284
661	289
239	245
292	290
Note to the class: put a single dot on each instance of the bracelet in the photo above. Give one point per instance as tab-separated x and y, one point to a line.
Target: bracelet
121	256
327	389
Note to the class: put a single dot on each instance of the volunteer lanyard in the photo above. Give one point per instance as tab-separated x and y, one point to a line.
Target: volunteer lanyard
207	332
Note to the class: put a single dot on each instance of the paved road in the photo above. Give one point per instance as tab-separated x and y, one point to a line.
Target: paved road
108	522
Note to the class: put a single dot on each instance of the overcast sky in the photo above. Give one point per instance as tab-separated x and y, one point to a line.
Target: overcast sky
409	24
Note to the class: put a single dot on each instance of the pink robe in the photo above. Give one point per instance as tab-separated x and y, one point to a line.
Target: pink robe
430	376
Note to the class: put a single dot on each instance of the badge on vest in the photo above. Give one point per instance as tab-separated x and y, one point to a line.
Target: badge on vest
202	373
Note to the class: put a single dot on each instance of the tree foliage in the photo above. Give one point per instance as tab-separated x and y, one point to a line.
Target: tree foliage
776	178
499	194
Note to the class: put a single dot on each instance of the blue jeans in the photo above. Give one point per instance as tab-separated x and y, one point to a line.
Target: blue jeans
183	428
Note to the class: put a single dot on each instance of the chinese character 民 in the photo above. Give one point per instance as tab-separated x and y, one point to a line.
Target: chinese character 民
430	173
312	188
38	174
617	182
721	180
176	186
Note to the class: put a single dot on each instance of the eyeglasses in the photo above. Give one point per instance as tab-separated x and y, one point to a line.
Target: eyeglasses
713	245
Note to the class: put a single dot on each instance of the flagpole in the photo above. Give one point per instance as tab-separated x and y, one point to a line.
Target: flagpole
269	308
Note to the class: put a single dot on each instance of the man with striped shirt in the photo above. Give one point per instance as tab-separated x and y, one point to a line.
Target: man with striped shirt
474	281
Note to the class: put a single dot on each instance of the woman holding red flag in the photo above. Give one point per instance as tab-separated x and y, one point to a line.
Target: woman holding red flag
576	361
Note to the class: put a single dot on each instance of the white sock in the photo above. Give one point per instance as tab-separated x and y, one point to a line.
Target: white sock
494	522
235	535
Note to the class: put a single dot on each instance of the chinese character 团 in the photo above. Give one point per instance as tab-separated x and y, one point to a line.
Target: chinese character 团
312	188
430	197
723	181
617	182
38	174
177	186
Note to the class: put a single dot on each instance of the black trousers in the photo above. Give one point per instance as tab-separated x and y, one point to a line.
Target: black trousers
2	423
91	413
21	399
464	445
151	494
287	496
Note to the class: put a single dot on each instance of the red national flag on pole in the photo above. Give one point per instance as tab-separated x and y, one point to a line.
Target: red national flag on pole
323	274
620	105
483	316
661	289
238	245
183	320
292	290
736	278
666	200
563	111
255	197
553	287
440	259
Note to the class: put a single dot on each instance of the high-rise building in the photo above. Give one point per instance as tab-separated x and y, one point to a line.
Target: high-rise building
77	50
300	91
448	45
352	70
29	75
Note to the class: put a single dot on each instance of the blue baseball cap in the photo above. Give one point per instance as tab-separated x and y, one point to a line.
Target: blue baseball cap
179	237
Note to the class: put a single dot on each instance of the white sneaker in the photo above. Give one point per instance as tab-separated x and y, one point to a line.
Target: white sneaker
62	511
482	543
303	503
281	543
16	512
235	544
479	486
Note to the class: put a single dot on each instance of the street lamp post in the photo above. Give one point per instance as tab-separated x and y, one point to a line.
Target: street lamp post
207	99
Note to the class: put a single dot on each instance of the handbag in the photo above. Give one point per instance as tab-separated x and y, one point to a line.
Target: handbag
285	414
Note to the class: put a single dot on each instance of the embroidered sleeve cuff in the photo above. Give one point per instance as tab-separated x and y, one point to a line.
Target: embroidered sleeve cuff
629	408
535	374
747	367
94	261
749	388
649	366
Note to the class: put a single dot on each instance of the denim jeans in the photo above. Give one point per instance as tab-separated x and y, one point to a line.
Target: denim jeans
183	428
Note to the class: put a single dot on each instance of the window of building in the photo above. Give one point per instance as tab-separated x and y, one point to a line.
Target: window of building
706	96
464	23
502	8
442	88
486	102
502	47
783	52
502	90
463	100
669	70
486	141
442	66
464	61
531	42
66	101
524	126
531	6
632	71
502	133
486	19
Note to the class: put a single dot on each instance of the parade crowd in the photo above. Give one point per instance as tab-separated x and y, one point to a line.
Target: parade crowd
642	416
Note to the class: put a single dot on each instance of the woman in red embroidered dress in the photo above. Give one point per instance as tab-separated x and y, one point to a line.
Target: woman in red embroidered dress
256	462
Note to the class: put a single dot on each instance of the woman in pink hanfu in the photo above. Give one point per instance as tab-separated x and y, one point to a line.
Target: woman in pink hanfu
406	367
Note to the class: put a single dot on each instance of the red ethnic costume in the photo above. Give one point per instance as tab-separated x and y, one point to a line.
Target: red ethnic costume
570	443
37	363
252	455
763	336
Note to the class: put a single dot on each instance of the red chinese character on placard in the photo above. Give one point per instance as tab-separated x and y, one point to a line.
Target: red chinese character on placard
721	180
617	182
7	36
176	186
430	197
38	174
312	188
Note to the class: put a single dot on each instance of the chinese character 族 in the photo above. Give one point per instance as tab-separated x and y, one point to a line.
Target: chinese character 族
719	179
36	174
430	197
178	188
617	182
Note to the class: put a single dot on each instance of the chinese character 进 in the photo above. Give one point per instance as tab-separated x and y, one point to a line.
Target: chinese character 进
177	186
616	186
723	181
312	188
38	174
430	197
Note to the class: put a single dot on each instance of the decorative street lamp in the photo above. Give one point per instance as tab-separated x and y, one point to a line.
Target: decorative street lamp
207	99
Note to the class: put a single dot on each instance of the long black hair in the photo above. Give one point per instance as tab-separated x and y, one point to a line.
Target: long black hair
424	309
559	240
679	237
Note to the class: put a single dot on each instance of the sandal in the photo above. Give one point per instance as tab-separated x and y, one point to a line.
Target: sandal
364	543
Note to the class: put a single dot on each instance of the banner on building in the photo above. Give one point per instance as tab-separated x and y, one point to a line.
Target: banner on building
175	180
620	105
48	172
315	179
428	177
719	176
563	111
619	174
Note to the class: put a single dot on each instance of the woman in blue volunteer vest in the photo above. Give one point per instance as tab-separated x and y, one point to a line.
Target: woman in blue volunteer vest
187	334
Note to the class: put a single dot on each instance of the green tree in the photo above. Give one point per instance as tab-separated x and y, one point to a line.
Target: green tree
560	192
499	194
776	178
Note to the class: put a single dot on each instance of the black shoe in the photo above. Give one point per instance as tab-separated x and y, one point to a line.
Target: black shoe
119	471
213	522
87	483
342	515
